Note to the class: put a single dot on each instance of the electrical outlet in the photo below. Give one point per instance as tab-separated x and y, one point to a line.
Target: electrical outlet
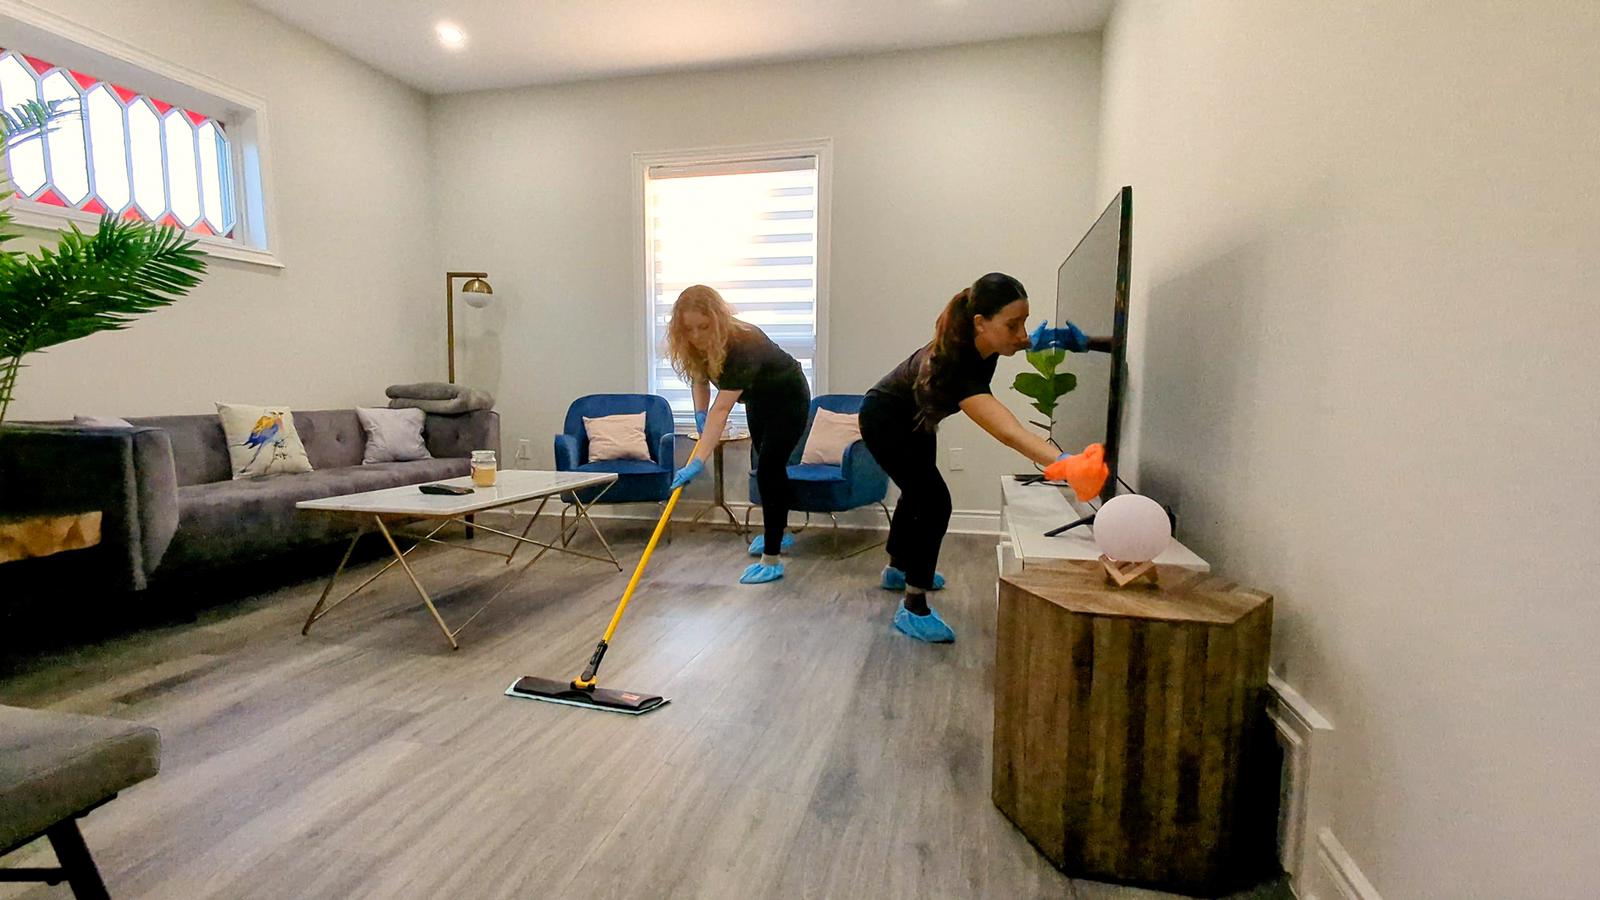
957	459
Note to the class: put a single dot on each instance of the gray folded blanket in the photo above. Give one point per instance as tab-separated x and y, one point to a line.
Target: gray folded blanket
425	390
469	400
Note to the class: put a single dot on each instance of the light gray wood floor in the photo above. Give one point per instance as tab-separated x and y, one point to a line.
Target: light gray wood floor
809	750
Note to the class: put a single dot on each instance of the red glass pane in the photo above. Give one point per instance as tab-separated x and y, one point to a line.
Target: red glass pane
94	206
38	64
84	81
126	94
195	117
132	212
51	197
161	106
201	227
170	220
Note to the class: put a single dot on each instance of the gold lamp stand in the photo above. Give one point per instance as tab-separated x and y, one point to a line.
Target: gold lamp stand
476	292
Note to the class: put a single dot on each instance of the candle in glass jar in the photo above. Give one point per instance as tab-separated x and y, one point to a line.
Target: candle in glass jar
483	468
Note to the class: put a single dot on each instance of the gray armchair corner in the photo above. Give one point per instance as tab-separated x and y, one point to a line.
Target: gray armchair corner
127	474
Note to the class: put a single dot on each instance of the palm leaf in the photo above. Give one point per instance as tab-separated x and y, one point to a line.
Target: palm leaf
86	284
29	118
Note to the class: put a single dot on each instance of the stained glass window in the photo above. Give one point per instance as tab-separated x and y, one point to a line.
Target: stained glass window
118	151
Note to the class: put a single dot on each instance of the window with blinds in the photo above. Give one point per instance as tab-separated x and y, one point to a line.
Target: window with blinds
749	228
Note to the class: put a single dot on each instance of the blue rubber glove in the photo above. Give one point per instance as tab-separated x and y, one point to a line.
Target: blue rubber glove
699	421
1067	338
688	473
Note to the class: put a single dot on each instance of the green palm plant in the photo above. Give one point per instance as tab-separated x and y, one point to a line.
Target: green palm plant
87	282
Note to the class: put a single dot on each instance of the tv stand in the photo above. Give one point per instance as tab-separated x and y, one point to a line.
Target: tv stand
1027	511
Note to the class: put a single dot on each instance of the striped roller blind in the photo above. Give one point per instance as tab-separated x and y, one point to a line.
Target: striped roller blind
747	228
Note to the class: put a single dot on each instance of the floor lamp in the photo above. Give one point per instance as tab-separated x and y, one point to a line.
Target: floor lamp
475	292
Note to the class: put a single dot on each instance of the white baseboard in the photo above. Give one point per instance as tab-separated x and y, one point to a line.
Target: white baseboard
962	521
1338	873
1302	734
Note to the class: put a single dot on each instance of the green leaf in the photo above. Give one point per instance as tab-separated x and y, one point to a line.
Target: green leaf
1041	406
1046	361
1030	385
1066	382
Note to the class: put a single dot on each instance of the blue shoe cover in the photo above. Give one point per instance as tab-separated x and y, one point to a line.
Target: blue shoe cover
759	545
895	579
760	574
928	628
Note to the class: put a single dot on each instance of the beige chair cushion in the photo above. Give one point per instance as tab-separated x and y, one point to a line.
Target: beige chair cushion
616	437
831	434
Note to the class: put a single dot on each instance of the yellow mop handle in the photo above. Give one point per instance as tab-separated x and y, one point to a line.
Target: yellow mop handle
587	679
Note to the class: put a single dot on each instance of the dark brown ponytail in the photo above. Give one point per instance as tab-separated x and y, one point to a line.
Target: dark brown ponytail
953	337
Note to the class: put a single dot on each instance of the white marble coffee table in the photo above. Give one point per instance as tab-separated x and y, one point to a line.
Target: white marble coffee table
377	509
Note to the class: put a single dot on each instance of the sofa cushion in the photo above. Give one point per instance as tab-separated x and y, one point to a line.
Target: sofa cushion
816	472
55	764
253	518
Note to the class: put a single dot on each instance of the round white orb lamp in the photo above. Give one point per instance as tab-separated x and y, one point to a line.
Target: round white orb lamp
1131	530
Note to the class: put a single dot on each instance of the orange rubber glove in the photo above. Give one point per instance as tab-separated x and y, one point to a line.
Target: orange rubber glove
1085	472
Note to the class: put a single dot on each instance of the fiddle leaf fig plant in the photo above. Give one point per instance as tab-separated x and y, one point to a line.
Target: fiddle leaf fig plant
1045	386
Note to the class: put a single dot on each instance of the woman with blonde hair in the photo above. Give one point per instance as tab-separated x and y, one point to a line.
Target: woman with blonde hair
708	346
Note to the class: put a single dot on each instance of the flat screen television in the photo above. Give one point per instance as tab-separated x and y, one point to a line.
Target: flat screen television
1092	293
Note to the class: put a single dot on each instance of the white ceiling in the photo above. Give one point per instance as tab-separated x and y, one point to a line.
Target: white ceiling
520	42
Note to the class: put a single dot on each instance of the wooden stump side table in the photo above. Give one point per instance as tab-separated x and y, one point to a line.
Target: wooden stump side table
1128	724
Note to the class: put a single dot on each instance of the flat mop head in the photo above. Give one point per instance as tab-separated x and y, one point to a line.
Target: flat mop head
531	687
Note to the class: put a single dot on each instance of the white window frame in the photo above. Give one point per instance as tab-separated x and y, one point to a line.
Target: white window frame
644	262
29	29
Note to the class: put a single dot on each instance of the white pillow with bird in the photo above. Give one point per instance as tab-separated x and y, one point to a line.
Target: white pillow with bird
262	440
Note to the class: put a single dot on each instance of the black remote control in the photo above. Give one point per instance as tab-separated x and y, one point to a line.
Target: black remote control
446	489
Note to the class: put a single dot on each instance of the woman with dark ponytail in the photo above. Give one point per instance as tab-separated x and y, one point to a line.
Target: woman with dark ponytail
901	415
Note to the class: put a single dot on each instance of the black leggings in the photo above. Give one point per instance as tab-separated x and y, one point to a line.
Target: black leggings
922	514
777	418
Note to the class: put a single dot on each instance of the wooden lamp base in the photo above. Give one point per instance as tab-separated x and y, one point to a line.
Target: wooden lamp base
1124	574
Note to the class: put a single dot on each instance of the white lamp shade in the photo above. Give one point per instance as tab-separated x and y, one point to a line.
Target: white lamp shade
1132	528
477	300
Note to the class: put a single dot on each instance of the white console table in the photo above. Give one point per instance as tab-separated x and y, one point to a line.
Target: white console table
1027	511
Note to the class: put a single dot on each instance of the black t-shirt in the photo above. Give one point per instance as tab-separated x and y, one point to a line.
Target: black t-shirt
971	377
755	365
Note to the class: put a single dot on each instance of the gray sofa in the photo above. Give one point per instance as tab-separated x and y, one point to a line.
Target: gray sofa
168	500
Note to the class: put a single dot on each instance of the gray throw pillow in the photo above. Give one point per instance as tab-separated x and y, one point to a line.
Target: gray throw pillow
393	435
101	422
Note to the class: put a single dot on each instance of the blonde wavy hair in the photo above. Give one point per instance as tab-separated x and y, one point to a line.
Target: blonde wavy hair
690	362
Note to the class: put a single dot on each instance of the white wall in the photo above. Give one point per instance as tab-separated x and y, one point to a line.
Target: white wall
947	164
1366	253
350	311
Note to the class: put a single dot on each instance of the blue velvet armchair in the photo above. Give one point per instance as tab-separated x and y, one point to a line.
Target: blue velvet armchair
856	482
638	480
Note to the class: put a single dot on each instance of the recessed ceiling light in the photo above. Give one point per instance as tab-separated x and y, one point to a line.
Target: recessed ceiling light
450	35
